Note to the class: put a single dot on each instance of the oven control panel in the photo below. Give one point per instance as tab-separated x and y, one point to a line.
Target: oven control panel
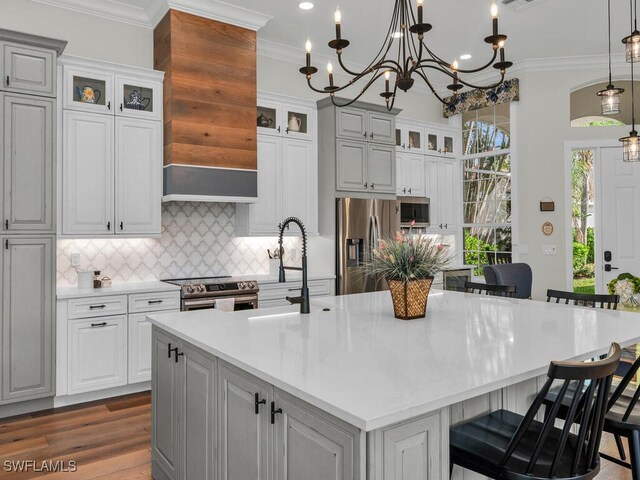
219	289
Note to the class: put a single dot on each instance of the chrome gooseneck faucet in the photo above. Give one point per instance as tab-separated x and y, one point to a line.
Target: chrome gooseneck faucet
303	299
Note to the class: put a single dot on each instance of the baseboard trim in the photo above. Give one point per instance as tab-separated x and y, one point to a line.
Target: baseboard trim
65	400
29	406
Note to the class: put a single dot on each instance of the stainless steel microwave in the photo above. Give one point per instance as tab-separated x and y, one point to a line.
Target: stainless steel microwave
413	209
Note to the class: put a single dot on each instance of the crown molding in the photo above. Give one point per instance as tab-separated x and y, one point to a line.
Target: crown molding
155	10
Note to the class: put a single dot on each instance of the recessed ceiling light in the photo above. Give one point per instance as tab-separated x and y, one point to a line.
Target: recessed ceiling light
466	56
397	34
305	5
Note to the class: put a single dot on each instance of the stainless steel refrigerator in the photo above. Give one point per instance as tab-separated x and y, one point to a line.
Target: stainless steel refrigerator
360	224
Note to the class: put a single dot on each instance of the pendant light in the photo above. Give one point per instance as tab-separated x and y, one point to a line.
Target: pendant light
610	95
633	41
630	144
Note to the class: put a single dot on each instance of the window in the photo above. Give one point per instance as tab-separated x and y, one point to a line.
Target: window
487	186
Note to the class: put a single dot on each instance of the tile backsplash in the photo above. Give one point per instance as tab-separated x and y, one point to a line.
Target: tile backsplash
197	240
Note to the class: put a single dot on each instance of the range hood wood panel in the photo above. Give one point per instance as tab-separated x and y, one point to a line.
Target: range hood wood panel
210	103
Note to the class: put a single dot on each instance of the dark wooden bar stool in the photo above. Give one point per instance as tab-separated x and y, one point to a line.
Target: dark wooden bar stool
505	445
489	289
610	302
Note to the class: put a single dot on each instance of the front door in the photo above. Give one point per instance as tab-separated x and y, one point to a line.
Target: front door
619	218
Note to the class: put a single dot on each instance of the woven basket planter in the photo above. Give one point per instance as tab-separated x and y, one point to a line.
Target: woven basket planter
410	298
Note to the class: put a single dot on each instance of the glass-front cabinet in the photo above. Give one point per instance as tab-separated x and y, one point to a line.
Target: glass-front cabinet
136	98
414	137
410	138
439	142
88	91
284	119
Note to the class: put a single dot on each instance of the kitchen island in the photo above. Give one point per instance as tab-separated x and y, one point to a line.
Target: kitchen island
350	392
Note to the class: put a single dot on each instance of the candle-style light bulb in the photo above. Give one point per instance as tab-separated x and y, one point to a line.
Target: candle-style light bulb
387	76
420	9
494	16
455	65
330	71
337	16
307	45
501	45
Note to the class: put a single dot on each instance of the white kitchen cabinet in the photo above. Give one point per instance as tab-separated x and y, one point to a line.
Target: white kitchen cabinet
274	294
88	174
287	186
286	117
111	150
28	69
26	301
309	443
27	164
410	175
138	180
97	353
441	141
183	410
245	442
444	188
139	343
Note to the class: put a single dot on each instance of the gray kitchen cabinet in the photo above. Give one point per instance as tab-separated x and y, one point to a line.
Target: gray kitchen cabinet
183	411
245	446
28	166
310	443
382	127
28	283
351	123
382	168
28	69
351	166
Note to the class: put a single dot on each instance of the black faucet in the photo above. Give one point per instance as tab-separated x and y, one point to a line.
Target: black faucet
303	299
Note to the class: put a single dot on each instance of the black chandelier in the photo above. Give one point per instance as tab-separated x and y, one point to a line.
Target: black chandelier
631	143
412	58
610	104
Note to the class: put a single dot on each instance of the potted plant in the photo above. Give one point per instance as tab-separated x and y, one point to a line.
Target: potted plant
408	263
627	287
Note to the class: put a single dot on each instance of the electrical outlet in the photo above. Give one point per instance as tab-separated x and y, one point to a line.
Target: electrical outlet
549	249
75	259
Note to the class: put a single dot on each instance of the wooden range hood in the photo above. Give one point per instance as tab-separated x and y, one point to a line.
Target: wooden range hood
210	102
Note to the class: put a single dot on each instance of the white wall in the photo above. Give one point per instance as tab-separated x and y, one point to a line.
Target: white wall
542	127
88	36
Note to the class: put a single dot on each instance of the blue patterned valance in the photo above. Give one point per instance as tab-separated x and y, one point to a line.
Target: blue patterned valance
509	91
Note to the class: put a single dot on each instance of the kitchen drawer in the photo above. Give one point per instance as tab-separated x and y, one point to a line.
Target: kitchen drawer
97	306
153	302
292	289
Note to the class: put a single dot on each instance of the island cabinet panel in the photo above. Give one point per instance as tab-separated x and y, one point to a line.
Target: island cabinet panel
311	444
183	411
245	446
413	450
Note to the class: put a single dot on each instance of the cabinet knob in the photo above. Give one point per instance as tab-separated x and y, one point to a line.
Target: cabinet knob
7	80
409	190
274	412
121	225
366	185
278	129
258	402
371	136
6	224
404	190
109	105
372	186
365	134
440	226
108	225
120	107
403	146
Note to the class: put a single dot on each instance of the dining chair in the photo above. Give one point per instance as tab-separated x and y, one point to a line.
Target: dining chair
610	302
518	274
489	289
506	445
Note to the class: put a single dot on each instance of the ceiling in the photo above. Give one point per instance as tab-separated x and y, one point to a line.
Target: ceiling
551	28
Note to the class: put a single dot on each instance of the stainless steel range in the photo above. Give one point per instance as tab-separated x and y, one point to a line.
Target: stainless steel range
202	293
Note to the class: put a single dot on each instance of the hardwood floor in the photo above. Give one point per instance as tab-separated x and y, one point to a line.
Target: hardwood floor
107	440
110	440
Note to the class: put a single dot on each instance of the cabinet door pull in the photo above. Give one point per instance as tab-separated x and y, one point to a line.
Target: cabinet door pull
109	105
278	129
6	244
404	190
258	402
409	190
371	136
273	412
440	226
121	225
366	185
372	186
103	324
120	107
287	130
108	225
365	134
97	307
7	80
181	354
169	350
446	225
403	146
154	302
6	224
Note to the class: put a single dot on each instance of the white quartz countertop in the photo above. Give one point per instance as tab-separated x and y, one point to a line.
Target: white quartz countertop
289	276
122	288
362	365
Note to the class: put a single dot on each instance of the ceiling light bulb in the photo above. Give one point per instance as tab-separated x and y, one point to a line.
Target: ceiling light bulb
337	16
455	65
329	67
397	34
305	5
307	45
501	43
387	74
494	10
420	2
466	56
